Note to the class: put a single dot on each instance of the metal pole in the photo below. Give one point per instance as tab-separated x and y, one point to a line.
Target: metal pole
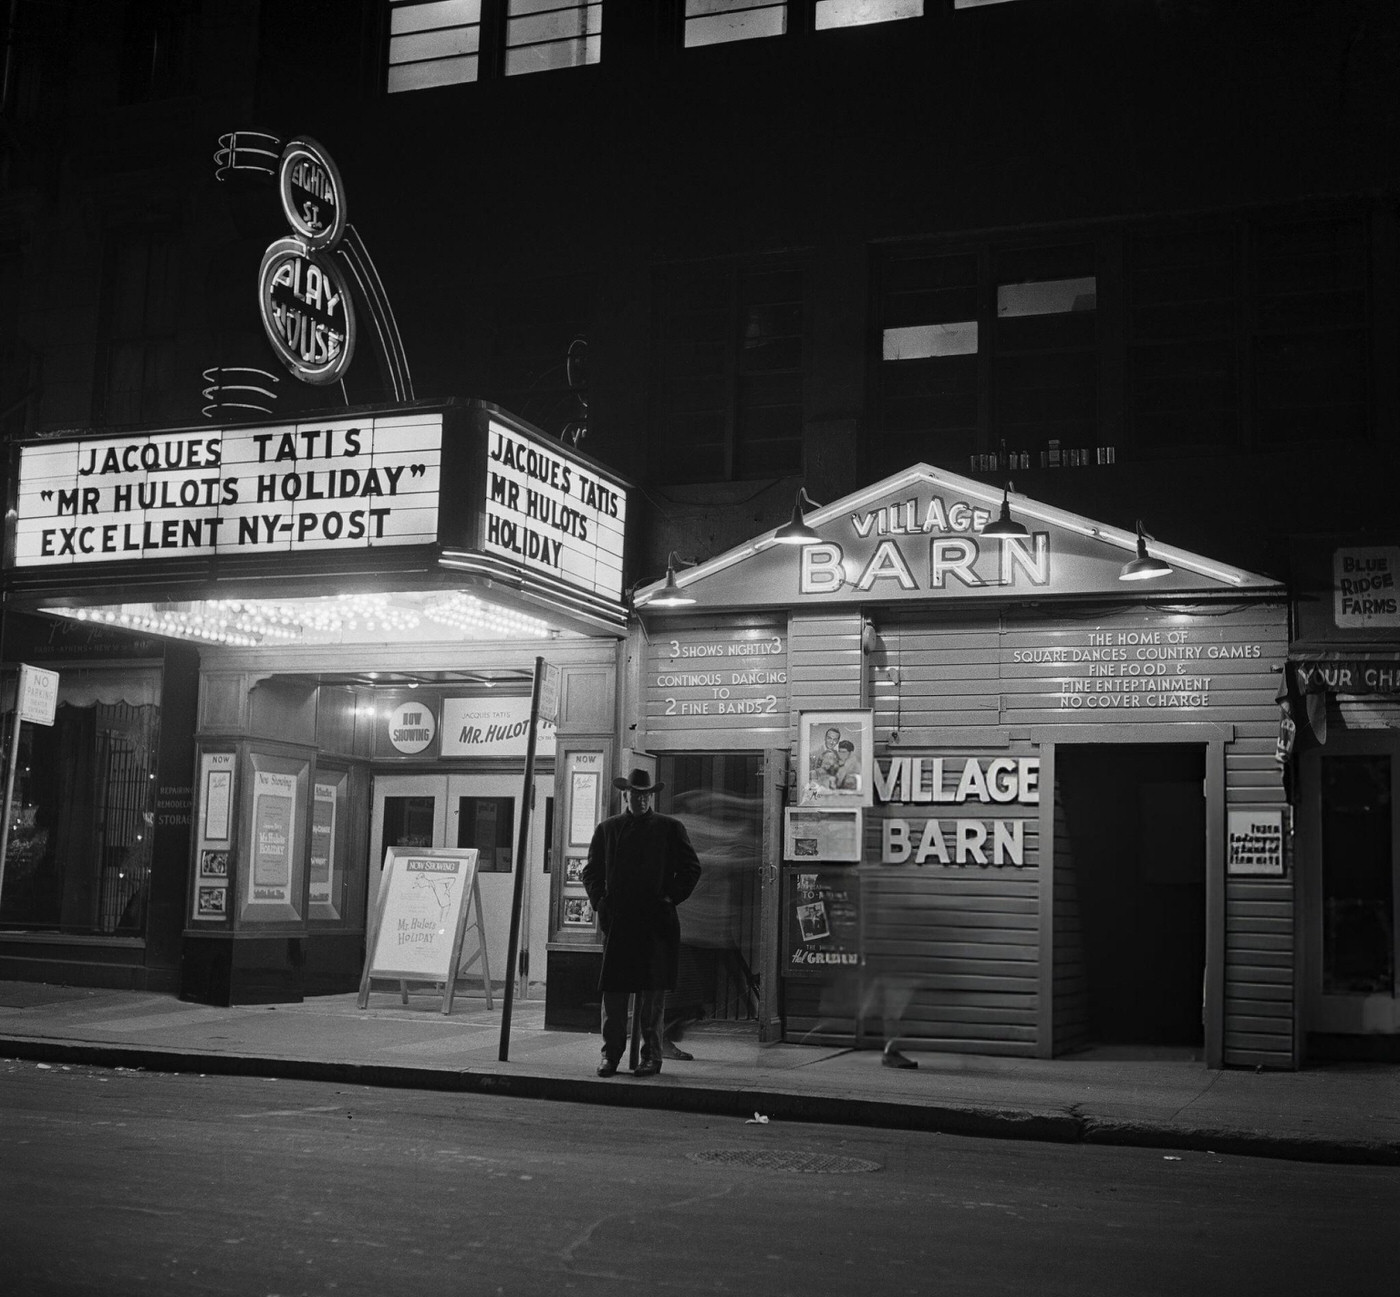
522	858
9	793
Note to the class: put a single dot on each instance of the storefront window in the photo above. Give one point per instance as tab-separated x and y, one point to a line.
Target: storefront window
1358	944
79	855
486	823
408	822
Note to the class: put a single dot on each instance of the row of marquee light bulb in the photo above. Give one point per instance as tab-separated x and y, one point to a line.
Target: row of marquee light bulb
243	624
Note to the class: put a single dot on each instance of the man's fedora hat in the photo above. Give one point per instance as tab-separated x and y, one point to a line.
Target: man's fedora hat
639	782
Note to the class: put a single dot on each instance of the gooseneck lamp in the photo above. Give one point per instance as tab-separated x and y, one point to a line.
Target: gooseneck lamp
1144	567
1005	525
797	532
671	595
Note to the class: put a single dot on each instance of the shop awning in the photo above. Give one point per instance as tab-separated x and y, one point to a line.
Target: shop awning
1344	671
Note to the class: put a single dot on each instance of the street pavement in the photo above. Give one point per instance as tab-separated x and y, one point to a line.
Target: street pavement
1169	1099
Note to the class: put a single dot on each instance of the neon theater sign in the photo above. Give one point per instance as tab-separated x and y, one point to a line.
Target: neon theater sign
303	297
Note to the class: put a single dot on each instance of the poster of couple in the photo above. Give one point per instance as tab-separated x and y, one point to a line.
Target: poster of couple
834	758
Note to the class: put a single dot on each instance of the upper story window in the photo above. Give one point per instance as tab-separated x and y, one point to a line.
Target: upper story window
857	13
536	321
447	42
157	41
138	380
714	22
985	346
1254	331
433	43
731	344
542	35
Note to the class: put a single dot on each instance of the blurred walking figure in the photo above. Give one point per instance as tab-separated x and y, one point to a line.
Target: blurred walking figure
641	865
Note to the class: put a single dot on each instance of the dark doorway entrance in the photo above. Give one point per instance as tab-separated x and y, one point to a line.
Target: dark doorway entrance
1130	856
719	798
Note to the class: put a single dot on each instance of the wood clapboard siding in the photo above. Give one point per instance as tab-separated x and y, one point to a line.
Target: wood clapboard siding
961	940
714	686
1054	671
1259	914
952	957
1023	669
825	663
1071	980
1259	970
824	673
820	1012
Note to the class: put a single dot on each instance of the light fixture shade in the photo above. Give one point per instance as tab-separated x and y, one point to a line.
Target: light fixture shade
670	595
1005	525
1144	567
797	532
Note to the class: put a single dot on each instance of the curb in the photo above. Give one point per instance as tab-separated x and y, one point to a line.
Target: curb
833	1110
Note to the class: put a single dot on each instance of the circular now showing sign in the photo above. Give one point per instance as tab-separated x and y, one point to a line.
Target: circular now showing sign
313	199
411	727
305	305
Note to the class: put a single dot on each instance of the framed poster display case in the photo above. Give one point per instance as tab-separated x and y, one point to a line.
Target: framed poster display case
814	834
834	758
583	780
255	836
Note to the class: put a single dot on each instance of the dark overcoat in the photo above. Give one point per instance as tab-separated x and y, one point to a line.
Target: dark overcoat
640	867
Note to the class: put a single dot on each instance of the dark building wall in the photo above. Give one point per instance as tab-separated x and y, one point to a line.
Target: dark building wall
510	215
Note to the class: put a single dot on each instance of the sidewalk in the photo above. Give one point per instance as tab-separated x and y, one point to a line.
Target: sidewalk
1332	1113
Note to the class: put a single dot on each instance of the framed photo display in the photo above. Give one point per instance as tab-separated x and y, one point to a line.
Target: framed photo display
834	758
820	833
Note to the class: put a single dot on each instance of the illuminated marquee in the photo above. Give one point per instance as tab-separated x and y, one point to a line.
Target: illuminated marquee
340	484
551	515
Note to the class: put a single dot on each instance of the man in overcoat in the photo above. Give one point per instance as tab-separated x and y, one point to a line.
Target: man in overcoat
641	865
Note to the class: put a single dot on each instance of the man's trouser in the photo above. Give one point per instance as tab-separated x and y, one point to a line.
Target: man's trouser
651	1011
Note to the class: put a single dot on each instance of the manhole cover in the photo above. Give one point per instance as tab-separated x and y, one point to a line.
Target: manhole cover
812	1163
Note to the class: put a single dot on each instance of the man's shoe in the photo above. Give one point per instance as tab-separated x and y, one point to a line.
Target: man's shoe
650	1068
893	1058
607	1068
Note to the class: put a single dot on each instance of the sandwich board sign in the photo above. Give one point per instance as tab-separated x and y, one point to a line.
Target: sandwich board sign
428	899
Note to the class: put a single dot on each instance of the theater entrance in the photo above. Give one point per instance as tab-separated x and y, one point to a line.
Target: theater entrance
481	811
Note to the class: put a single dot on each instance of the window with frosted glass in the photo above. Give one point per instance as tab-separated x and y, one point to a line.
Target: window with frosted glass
857	13
715	22
433	43
544	35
